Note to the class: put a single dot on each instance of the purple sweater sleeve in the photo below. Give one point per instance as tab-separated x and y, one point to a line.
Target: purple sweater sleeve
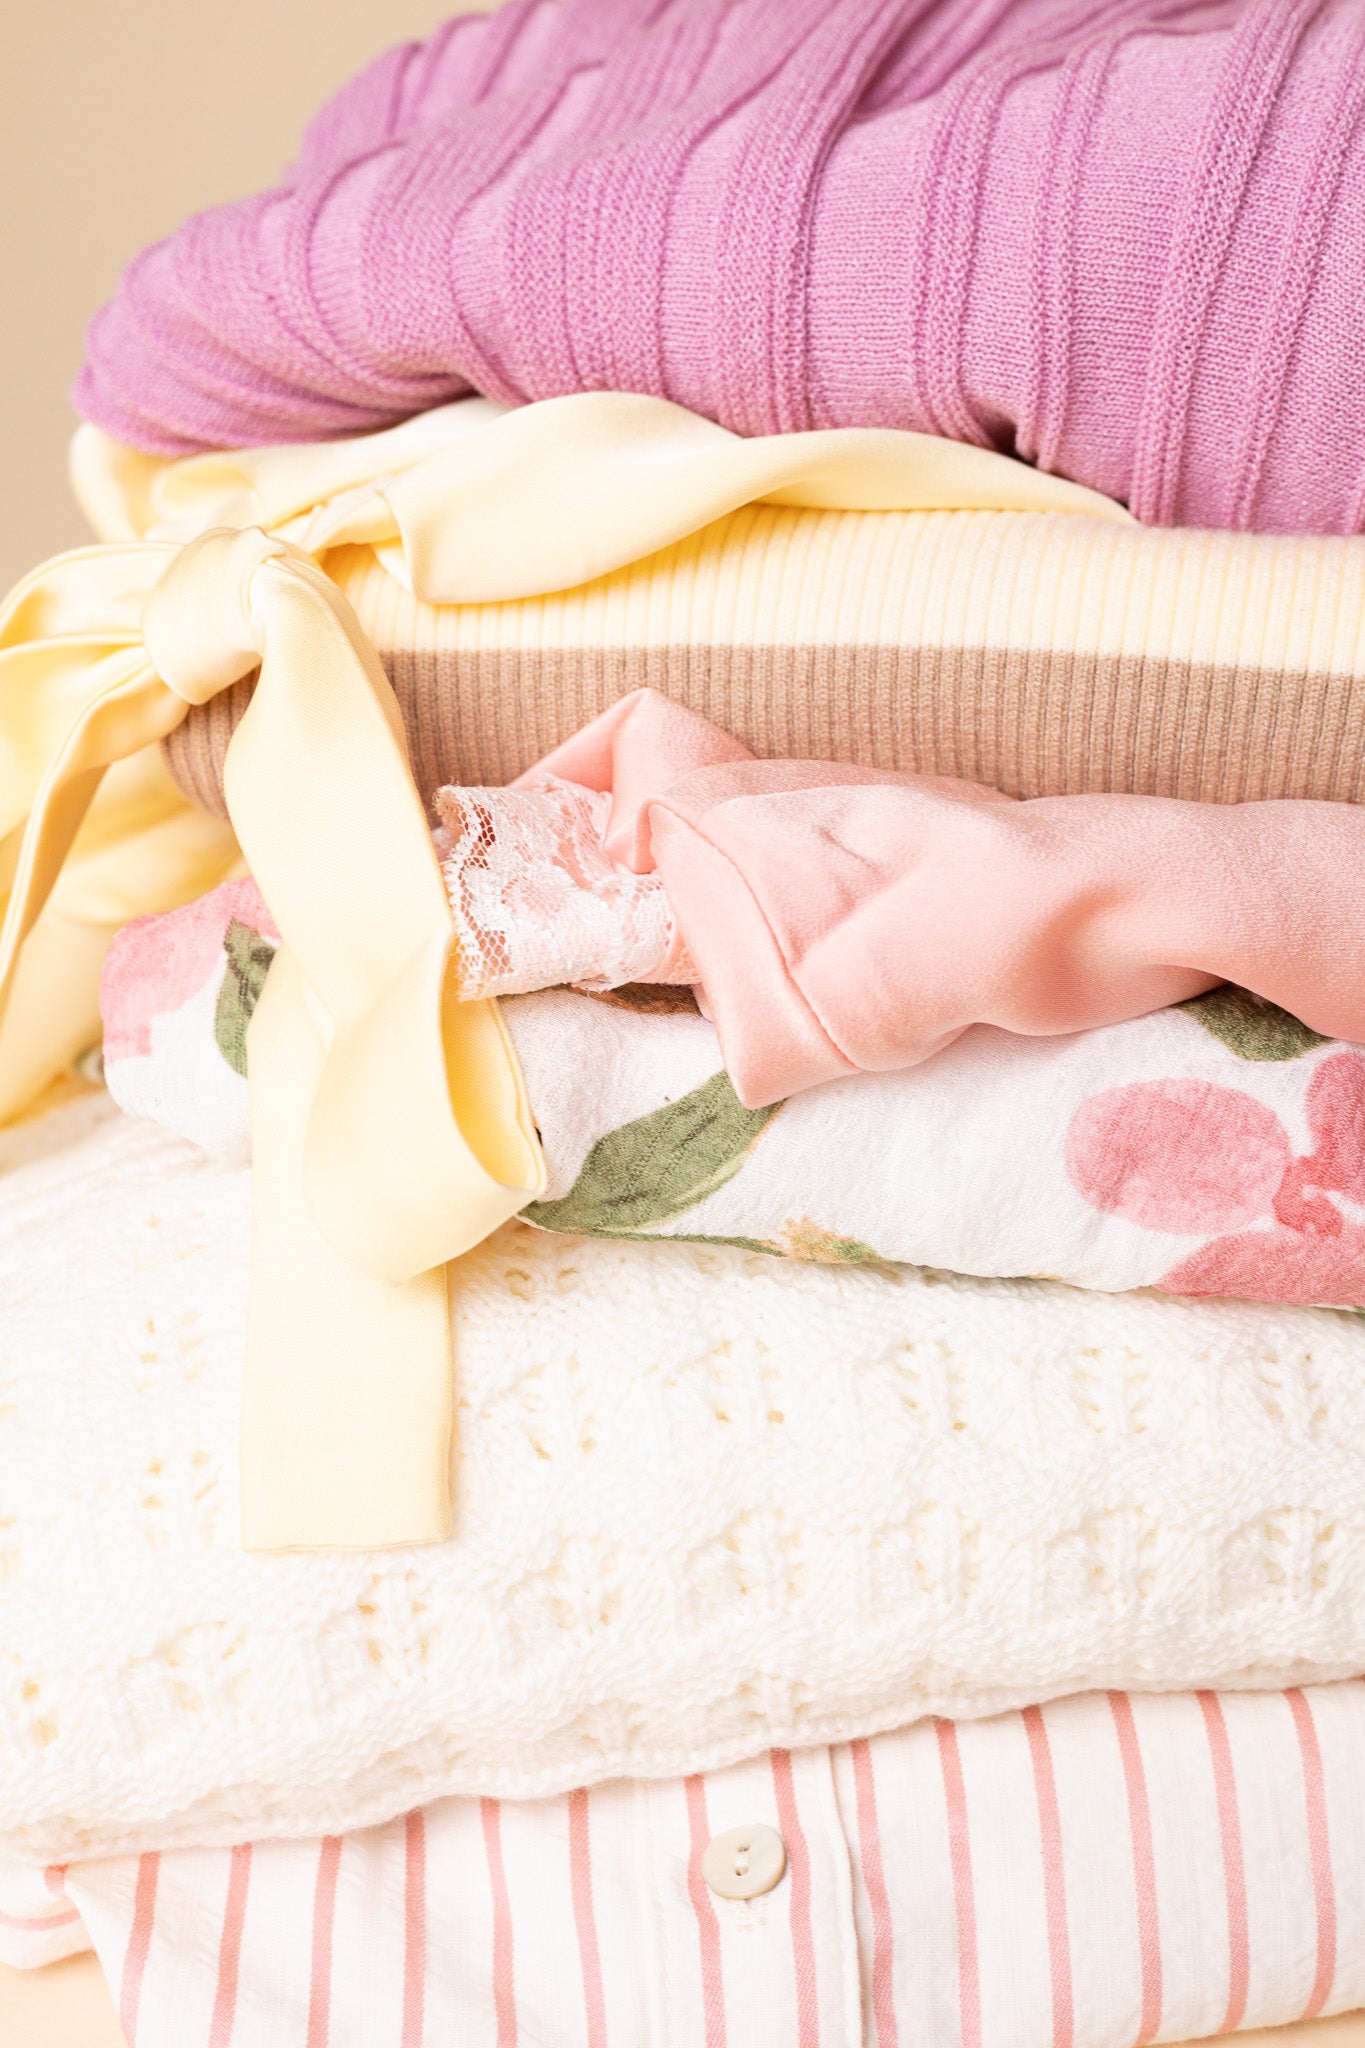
1122	238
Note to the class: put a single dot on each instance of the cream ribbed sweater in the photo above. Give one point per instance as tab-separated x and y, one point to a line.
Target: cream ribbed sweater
1040	653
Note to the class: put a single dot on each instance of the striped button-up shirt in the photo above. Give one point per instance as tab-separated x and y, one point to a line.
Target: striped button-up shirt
1108	1870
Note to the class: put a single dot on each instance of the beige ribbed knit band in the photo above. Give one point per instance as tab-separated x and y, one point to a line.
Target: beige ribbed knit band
1043	656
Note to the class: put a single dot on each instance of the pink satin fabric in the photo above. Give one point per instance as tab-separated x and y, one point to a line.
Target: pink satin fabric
844	919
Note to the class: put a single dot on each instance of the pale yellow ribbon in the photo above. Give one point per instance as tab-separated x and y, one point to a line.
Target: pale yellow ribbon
395	1131
390	1129
390	1126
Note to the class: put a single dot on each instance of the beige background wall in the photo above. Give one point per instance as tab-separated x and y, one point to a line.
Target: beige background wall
122	116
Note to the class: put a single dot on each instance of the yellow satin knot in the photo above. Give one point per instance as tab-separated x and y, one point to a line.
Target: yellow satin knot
197	625
390	1128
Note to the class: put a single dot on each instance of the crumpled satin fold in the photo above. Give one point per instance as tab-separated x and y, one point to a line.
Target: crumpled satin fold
838	919
390	1127
475	503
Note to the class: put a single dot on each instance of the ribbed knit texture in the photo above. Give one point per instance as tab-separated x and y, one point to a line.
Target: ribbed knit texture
1043	655
1125	238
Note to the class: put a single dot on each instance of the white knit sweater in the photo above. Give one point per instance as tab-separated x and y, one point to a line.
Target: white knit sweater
707	1502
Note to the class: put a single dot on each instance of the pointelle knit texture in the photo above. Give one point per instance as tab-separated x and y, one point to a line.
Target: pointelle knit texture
707	1502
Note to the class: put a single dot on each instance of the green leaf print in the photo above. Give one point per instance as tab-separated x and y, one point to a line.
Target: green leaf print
248	962
659	1166
1250	1026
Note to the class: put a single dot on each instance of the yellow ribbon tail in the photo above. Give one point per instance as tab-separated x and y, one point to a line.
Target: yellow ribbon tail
347	1401
390	1124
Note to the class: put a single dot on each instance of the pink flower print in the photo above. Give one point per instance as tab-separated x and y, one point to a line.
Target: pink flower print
1335	1106
157	963
1178	1155
1278	1265
1191	1156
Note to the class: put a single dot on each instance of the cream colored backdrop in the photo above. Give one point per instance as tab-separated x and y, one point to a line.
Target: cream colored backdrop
122	116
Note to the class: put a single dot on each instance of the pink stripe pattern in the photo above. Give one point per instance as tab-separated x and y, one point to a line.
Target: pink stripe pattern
230	1948
941	1833
1234	1860
708	1927
139	1945
1319	1849
964	1889
504	1981
414	1929
585	1919
798	1871
1054	1877
1144	1865
324	1920
39	1923
874	1880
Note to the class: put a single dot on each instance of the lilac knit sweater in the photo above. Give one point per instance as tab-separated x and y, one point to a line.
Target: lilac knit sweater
1124	238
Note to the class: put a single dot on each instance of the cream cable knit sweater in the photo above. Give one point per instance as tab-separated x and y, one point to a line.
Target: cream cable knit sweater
707	1502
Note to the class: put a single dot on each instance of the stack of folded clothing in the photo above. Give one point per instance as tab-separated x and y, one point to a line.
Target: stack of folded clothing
700	1376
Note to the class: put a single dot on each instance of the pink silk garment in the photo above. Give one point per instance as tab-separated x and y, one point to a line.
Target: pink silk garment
1124	239
844	919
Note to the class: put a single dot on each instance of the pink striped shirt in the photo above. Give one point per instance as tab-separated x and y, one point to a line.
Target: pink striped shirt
1109	1869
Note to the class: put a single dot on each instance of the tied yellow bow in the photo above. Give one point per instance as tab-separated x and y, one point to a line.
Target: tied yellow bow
389	1124
390	1129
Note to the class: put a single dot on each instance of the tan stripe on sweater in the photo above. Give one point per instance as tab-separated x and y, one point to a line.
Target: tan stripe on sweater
1041	653
1033	723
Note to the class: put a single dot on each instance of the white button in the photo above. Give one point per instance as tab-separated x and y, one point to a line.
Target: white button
744	1862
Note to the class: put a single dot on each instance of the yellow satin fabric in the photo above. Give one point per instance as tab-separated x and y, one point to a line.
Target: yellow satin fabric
390	1129
473	502
390	1125
408	1137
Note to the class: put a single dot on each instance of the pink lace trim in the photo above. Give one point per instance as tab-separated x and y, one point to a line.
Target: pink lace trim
537	901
